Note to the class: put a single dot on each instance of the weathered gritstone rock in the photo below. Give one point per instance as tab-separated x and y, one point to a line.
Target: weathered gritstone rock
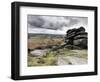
77	37
39	52
80	36
82	43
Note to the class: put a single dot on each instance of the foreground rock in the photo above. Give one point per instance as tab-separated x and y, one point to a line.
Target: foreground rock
39	52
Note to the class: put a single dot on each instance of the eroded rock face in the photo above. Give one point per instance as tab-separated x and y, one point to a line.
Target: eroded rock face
77	37
39	52
82	43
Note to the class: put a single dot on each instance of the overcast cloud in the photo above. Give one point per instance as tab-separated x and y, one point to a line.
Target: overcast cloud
54	24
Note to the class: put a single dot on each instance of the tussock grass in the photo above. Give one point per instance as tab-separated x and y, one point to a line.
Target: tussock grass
51	58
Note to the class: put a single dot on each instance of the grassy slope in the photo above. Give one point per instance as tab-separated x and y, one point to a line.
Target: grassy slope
51	58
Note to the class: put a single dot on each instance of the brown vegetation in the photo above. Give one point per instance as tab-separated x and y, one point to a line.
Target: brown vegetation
37	42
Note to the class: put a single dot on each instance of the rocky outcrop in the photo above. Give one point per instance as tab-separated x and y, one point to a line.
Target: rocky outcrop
77	37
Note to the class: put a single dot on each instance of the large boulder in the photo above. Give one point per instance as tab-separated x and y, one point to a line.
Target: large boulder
77	37
82	43
83	36
39	53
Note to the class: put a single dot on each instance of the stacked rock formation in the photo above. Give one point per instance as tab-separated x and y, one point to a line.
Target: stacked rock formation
77	37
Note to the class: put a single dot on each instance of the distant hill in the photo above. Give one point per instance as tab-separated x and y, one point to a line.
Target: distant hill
45	35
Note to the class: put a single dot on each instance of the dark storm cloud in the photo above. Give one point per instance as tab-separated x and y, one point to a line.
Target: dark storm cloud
72	21
47	22
76	20
36	21
54	22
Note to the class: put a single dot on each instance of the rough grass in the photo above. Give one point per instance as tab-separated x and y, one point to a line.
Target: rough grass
80	53
51	58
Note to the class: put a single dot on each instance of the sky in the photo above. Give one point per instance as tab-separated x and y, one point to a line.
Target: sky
54	24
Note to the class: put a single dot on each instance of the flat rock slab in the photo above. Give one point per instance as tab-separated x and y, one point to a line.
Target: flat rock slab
71	60
39	52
